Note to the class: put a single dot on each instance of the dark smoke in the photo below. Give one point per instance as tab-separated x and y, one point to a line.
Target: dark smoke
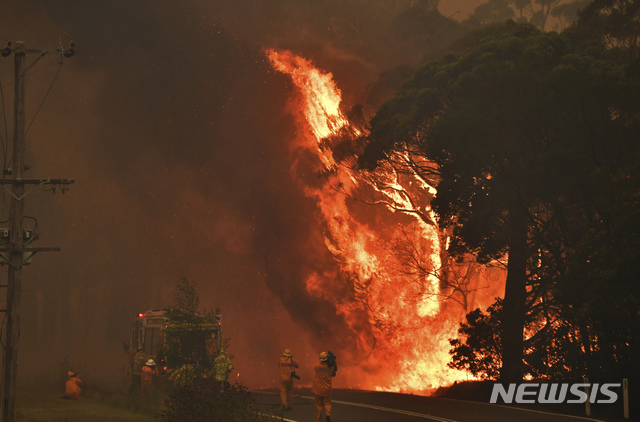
175	128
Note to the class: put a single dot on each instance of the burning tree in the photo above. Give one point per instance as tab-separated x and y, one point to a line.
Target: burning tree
403	183
387	250
528	130
517	150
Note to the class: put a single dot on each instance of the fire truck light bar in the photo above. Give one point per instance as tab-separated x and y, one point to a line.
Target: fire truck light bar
142	315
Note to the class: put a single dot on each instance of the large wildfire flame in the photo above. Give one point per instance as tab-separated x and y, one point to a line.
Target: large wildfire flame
386	243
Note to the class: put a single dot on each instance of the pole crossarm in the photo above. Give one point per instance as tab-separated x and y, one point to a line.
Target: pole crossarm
36	182
31	251
43	249
46	181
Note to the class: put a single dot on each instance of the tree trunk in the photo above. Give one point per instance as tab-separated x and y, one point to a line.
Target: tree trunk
515	299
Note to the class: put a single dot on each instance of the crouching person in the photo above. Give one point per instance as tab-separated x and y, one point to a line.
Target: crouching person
72	386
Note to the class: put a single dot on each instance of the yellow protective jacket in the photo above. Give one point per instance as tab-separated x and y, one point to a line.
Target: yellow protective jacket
287	366
322	380
222	366
185	374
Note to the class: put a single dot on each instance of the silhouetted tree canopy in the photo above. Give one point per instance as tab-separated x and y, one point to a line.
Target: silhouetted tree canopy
534	136
480	352
535	12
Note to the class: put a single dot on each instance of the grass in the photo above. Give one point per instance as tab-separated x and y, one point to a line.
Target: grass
201	400
31	407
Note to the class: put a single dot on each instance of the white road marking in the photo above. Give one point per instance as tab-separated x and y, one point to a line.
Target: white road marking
438	418
387	409
528	410
277	417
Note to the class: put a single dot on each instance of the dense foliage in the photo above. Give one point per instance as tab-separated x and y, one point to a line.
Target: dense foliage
535	140
204	401
481	353
185	340
184	307
544	14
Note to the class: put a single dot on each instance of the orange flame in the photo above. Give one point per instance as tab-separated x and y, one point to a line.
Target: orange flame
322	97
406	347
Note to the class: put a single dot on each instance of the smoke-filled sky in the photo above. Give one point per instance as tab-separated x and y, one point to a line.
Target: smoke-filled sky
176	130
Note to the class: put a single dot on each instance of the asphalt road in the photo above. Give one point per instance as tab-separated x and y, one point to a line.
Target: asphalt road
367	406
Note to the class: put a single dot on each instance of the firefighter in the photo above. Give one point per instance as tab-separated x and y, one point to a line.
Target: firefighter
322	386
186	373
222	366
148	375
287	371
138	362
72	386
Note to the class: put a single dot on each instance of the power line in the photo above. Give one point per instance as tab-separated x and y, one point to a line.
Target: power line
45	98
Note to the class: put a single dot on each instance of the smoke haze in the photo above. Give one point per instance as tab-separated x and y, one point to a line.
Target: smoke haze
175	128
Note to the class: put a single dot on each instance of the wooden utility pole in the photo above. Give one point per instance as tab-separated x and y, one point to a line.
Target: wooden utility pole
14	280
16	250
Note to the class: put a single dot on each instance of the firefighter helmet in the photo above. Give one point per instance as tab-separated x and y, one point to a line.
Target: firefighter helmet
286	353
324	356
151	362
